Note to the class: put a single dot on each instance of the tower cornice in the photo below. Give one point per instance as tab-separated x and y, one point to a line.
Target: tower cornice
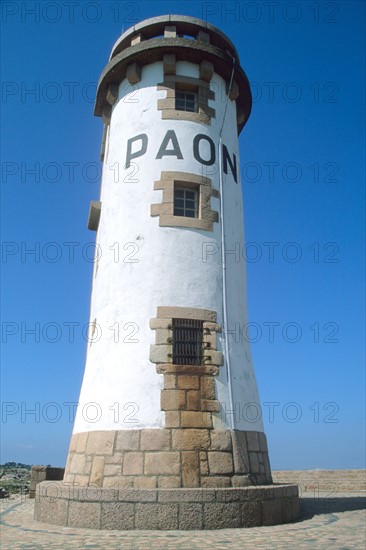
144	44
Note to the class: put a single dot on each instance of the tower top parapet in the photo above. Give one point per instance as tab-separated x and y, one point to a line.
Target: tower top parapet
188	39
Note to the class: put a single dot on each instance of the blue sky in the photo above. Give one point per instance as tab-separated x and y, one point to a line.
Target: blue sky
303	174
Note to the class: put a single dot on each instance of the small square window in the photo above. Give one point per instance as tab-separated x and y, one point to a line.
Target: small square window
186	101
186	202
187	342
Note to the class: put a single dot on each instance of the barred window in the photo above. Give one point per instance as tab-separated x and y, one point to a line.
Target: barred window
187	342
186	202
186	101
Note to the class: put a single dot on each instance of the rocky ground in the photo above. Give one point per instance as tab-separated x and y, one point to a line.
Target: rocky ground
14	478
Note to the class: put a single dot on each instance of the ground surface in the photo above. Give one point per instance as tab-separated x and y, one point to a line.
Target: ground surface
336	523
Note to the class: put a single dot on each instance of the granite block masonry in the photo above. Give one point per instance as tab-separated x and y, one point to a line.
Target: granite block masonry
167	433
44	473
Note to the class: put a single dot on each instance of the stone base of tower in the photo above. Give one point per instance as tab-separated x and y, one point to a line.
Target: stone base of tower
190	478
168	458
165	509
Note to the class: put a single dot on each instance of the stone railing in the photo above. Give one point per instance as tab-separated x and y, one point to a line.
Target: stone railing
332	482
43	473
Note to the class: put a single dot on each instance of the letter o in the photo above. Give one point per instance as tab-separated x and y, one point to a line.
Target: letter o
257	12
45	410
46	15
196	149
286	416
98	12
297	336
298	252
257	174
297	15
258	249
245	414
85	412
45	335
255	338
58	252
285	92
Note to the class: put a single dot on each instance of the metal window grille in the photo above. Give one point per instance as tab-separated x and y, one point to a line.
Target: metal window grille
186	202
185	101
187	342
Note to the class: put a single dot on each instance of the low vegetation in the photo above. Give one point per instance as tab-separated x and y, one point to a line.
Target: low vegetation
14	478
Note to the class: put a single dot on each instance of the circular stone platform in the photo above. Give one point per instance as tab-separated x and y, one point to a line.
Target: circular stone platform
185	509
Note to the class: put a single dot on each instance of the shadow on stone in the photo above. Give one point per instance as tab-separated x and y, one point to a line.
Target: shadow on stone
312	506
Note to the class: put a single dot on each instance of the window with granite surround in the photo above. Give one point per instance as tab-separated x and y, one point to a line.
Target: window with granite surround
186	99
186	201
185	352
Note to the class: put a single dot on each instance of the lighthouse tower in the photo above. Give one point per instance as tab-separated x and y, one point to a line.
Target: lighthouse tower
169	404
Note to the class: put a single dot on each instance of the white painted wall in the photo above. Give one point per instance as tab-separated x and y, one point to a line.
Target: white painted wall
169	270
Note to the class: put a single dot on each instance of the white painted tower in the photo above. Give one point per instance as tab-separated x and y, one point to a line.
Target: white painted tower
169	396
168	433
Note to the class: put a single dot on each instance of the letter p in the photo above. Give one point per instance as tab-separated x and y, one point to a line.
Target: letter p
9	8
9	89
8	329
209	249
132	155
8	249
8	408
209	9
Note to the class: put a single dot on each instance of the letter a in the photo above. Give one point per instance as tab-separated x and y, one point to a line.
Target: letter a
163	151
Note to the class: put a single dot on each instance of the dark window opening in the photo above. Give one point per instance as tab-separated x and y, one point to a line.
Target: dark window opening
186	101
188	36
187	342
186	202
